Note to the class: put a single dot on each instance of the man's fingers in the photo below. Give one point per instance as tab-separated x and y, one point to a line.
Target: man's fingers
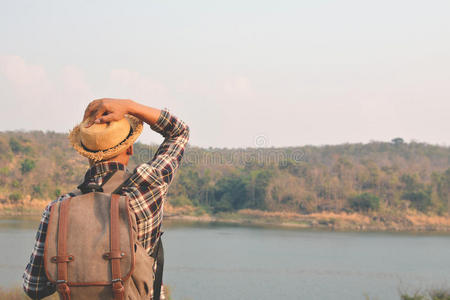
107	118
103	111
99	112
92	117
90	109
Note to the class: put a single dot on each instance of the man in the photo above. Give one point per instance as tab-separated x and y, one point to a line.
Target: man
147	186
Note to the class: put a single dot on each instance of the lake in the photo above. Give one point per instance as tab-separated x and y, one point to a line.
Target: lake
210	261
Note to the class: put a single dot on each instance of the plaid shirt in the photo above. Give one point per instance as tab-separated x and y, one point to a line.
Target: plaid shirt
147	189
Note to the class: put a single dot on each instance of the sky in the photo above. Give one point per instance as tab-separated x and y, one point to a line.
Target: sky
239	73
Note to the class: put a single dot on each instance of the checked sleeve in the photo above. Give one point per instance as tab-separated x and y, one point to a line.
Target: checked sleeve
148	185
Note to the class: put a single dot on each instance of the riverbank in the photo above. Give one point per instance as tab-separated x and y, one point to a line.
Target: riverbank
409	220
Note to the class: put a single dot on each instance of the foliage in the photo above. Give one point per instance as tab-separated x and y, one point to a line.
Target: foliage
433	294
397	141
439	294
413	297
14	197
229	193
416	192
364	202
378	176
37	190
4	171
27	165
181	200
18	147
420	200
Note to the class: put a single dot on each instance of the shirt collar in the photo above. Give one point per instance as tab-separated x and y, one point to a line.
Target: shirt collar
101	168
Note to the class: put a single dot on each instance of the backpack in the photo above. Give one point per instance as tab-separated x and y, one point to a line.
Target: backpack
91	249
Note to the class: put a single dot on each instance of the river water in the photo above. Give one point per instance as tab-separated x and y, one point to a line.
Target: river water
209	261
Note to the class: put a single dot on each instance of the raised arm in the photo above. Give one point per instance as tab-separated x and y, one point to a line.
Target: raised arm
161	168
149	182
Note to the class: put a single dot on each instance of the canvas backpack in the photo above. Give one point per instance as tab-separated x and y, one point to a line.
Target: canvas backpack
91	249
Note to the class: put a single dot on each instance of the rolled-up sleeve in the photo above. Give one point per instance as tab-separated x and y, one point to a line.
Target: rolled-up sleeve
149	182
169	154
148	185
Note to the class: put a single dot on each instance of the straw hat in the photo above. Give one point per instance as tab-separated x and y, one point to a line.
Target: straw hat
103	141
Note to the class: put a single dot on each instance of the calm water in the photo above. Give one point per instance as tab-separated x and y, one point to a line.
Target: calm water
208	262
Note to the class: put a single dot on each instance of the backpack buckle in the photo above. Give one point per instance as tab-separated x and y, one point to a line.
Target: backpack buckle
89	187
116	280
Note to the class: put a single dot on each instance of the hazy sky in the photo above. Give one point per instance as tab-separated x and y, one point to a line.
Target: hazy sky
240	73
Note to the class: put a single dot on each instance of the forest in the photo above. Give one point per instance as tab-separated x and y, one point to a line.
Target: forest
391	176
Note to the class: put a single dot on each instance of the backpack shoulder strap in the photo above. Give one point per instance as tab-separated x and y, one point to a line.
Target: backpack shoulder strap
112	184
158	255
116	182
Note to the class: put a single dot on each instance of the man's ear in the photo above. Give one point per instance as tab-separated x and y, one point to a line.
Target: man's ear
130	150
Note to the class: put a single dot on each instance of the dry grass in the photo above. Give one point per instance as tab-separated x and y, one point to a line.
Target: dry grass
410	221
329	216
24	207
424	220
431	294
349	217
179	210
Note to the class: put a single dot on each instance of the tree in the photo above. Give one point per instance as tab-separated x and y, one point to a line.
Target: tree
364	202
416	192
230	193
15	146
420	199
27	165
37	190
397	141
14	197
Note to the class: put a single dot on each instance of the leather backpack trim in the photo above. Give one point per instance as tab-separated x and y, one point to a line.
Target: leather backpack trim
61	283
123	278
117	283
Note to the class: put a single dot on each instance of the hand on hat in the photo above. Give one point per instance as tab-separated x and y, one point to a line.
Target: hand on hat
106	110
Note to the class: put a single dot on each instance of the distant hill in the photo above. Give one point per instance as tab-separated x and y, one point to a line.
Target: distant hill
379	176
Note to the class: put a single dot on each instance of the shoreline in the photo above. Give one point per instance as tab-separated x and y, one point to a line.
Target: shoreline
410	221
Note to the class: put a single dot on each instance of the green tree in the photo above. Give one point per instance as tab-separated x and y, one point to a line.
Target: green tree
27	165
420	199
15	145
441	184
230	193
416	192
364	202
256	186
14	197
397	141
37	190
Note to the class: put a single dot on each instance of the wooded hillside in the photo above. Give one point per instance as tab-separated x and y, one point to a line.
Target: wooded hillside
379	176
